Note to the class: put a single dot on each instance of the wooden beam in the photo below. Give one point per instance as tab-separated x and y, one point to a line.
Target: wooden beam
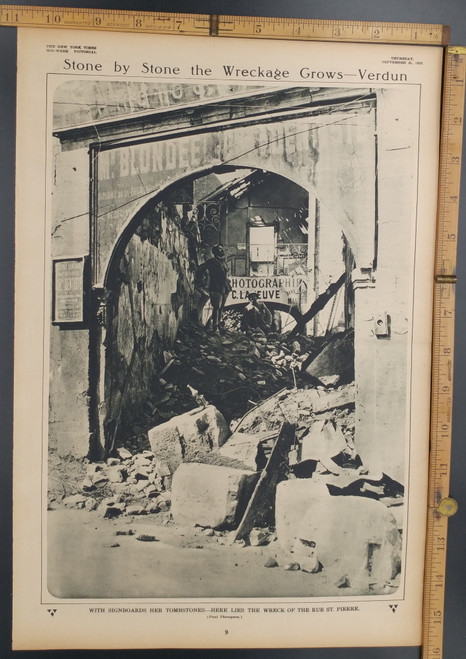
261	506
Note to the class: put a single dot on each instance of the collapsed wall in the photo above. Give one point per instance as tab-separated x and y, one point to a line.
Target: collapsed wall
151	291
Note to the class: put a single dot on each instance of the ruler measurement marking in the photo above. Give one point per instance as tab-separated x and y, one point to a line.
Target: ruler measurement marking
442	352
240	26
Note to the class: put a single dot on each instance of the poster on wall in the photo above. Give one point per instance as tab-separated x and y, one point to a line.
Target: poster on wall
226	252
68	290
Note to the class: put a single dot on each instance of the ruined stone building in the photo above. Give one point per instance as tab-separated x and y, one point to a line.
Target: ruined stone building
147	177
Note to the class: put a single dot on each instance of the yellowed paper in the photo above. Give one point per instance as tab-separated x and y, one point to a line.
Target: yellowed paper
315	166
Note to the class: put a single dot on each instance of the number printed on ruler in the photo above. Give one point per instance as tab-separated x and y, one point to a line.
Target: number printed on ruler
443	346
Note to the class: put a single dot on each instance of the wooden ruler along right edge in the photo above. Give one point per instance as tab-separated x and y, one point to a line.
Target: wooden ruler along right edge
440	505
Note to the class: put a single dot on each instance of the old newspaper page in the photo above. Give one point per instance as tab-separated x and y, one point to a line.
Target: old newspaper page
223	321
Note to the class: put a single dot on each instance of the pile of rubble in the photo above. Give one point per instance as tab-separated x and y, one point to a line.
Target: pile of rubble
298	479
234	372
251	438
128	484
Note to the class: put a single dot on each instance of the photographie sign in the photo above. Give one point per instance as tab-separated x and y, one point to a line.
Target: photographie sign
269	289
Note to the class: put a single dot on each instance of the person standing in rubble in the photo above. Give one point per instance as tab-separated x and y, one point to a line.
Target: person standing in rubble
218	284
256	315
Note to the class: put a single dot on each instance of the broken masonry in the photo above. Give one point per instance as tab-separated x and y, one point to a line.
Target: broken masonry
280	467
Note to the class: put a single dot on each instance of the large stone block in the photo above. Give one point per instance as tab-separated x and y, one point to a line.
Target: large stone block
247	449
337	358
189	436
210	496
322	442
360	534
292	502
355	536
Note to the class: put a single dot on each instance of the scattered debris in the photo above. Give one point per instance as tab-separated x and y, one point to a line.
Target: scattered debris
208	532
258	538
99	478
135	510
144	537
75	501
115	474
113	462
92	469
152	508
110	511
164	501
91	504
343	582
274	450
123	453
305	552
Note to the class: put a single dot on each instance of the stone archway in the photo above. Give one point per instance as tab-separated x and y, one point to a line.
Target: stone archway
328	141
331	154
148	292
333	160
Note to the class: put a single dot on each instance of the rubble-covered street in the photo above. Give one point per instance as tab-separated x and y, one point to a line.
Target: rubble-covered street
246	451
236	371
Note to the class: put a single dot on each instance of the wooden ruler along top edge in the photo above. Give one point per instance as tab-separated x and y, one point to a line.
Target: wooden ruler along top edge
440	506
226	26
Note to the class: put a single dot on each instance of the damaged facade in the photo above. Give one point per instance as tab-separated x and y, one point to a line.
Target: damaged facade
273	427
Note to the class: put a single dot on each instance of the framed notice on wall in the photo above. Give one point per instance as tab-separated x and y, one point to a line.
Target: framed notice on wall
233	442
68	290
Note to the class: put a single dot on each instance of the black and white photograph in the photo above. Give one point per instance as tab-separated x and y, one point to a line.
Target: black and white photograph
235	244
234	327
